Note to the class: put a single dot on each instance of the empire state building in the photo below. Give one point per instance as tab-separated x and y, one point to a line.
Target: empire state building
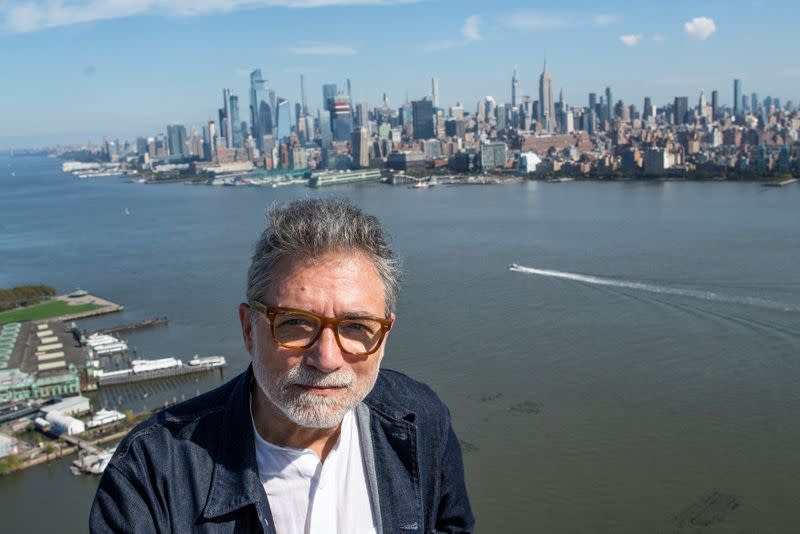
547	105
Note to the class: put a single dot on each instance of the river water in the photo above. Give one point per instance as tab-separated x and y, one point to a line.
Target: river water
639	371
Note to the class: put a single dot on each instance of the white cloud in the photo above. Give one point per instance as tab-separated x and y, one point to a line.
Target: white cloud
631	39
470	30
538	20
315	48
23	16
700	28
605	19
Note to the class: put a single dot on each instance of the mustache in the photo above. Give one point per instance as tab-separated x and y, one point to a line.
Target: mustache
304	375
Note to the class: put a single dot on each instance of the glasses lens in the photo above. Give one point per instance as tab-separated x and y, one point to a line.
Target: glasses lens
294	329
359	336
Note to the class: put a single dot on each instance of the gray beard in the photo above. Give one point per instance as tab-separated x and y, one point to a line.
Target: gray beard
306	409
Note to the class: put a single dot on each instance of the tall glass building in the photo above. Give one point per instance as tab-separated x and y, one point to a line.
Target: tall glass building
236	132
261	109
328	92
341	117
284	119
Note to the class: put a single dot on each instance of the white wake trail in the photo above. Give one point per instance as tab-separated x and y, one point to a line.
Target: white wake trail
653	288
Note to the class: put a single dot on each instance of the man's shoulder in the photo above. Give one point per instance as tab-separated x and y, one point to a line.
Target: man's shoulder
396	395
178	425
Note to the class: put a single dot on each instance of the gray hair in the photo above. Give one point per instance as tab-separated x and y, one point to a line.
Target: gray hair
312	227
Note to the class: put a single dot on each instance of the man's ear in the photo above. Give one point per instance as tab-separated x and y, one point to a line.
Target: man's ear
247	326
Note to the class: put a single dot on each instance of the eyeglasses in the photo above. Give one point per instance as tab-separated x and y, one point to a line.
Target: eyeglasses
295	329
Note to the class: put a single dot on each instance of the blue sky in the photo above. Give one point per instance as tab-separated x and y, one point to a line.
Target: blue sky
79	69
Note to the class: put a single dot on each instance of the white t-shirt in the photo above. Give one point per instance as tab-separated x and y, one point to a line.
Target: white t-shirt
309	497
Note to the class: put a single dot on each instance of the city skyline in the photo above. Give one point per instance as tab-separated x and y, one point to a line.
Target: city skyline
134	84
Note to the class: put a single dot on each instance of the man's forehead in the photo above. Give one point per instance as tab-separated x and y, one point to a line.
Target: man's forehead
350	277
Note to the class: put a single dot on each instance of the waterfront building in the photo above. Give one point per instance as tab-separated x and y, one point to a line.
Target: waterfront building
547	109
422	112
435	92
344	177
528	162
176	139
493	155
299	158
17	385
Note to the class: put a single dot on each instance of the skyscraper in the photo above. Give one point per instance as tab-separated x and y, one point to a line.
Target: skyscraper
176	139
225	118
341	117
714	104
284	114
609	109
737	98
261	110
359	143
435	91
303	105
324	121
236	132
422	114
680	109
547	105
648	111
328	92
514	89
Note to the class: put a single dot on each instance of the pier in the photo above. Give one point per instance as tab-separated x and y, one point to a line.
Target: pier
148	323
81	444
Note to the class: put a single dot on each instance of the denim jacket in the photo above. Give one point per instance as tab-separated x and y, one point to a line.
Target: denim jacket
192	467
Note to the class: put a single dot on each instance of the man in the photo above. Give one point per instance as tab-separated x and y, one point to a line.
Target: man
314	436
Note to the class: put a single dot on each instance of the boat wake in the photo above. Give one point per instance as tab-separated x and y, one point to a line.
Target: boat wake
654	288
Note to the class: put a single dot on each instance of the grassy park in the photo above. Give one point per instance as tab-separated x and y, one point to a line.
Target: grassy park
45	310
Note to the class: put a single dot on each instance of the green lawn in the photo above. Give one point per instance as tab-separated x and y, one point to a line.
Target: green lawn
45	310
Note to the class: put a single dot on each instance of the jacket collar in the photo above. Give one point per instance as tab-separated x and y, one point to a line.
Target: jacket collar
235	482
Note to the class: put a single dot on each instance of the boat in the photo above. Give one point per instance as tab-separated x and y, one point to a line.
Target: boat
208	361
92	464
104	417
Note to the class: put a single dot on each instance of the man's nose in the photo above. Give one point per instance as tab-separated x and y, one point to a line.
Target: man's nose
325	354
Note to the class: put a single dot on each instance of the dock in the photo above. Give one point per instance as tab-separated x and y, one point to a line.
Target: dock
148	323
